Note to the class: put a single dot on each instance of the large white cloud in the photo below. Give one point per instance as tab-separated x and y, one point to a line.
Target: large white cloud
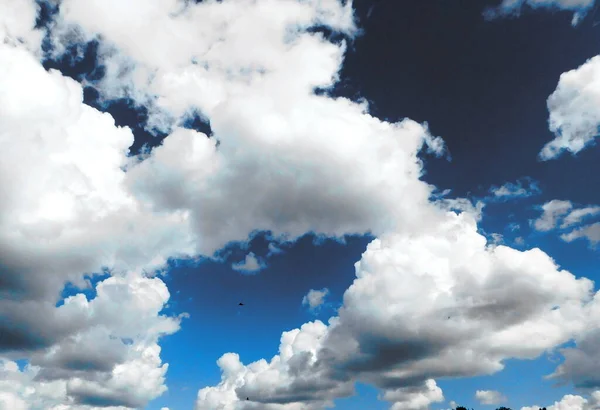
108	354
574	110
17	22
423	306
206	52
64	212
430	300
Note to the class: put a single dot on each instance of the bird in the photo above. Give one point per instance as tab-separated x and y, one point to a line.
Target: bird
240	304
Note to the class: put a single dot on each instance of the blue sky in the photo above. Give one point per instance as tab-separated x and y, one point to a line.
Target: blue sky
401	194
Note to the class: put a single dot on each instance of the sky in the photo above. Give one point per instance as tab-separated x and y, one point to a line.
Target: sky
299	204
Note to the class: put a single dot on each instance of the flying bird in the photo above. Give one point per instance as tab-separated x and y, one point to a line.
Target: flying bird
240	304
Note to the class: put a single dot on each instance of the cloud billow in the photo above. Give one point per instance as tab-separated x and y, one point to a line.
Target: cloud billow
430	299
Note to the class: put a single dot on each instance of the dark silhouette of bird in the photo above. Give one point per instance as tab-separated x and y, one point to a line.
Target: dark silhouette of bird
247	398
240	304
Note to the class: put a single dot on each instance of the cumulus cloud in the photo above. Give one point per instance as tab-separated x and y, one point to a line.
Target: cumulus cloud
109	355
17	24
315	298
513	7
574	110
250	264
488	397
441	304
552	212
589	232
431	299
522	188
581	363
572	402
576	216
65	212
555	211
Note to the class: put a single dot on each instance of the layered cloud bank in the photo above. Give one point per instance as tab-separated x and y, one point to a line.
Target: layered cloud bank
431	297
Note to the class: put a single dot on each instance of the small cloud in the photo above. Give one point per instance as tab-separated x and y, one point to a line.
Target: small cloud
274	250
578	215
489	397
589	232
495	239
315	298
519	241
513	227
551	213
514	7
251	264
522	188
453	404
463	205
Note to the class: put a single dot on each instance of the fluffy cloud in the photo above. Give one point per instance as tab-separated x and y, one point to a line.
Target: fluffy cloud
108	356
572	402
552	212
17	22
555	211
522	188
63	195
576	216
589	232
437	304
582	362
431	298
574	112
489	397
508	7
315	298
206	53
250	264
65	212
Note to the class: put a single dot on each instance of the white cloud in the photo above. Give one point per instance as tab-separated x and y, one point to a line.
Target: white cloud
437	304
576	216
572	402
90	363
313	141
10	401
250	264
315	298
556	210
17	22
65	212
589	232
430	298
522	188
512	7
488	397
552	212
574	110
